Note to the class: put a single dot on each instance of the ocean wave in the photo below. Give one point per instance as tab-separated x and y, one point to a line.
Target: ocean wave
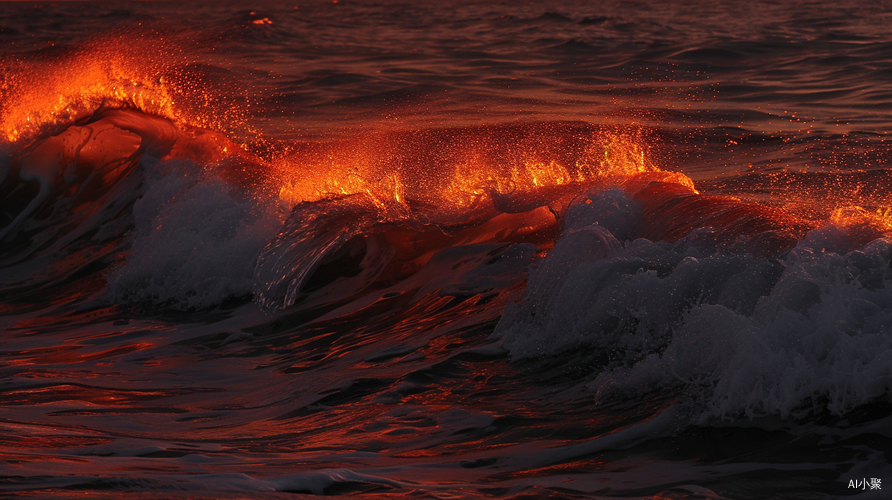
741	330
195	240
69	195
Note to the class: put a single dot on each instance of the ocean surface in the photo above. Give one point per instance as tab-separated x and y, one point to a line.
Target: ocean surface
493	250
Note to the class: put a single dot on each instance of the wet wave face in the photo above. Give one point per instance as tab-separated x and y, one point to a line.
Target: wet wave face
465	250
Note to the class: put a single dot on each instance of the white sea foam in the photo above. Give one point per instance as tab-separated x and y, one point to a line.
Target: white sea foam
741	335
196	240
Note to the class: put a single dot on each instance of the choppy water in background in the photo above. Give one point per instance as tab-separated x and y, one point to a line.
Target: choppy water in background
451	250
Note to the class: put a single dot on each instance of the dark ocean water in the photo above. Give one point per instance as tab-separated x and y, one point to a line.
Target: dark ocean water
446	250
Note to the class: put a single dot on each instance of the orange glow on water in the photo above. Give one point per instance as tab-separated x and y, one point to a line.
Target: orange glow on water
38	94
80	88
879	219
461	178
452	169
